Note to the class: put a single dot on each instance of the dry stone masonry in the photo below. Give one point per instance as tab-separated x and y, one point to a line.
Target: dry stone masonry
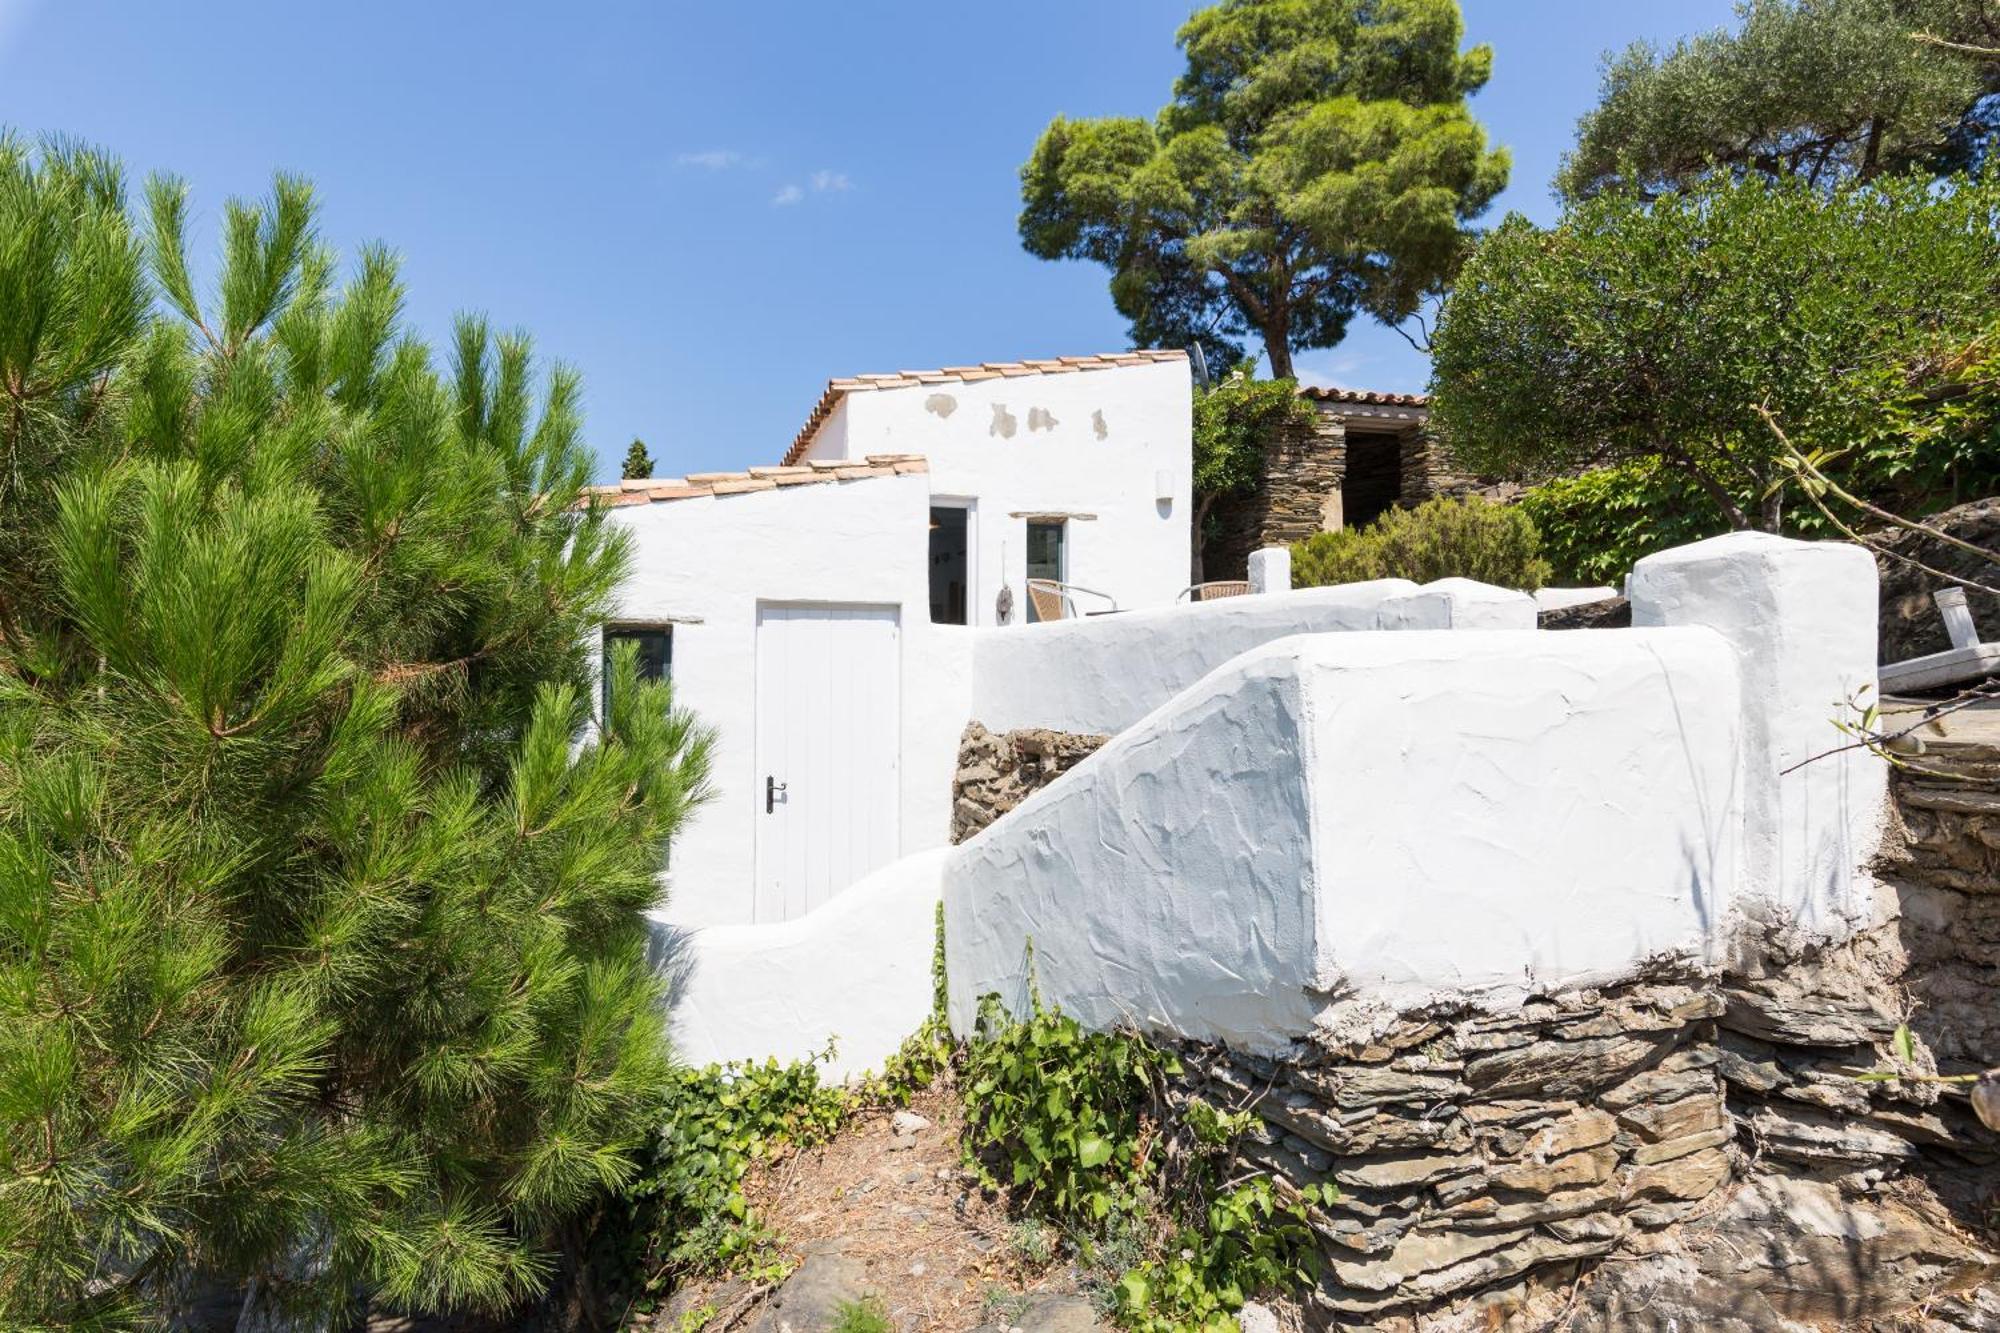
1688	1147
997	772
1472	1149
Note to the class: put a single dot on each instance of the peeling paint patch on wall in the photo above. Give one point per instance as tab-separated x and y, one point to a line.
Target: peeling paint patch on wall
1097	426
1003	422
940	405
1040	418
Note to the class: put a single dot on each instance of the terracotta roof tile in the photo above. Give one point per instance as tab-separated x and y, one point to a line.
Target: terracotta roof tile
839	387
1368	397
699	485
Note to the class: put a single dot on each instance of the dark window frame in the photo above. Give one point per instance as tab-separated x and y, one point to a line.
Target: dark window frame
637	631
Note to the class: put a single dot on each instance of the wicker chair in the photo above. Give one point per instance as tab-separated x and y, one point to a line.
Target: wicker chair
1210	592
1057	601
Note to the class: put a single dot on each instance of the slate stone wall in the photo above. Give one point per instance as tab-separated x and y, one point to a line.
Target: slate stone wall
1304	465
1706	1131
997	772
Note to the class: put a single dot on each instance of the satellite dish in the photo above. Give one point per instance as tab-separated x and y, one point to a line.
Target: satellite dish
1200	363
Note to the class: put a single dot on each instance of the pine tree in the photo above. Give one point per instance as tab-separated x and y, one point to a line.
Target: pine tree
1318	159
638	463
321	951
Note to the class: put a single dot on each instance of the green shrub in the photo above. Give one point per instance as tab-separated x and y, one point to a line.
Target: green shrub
685	1210
1061	1107
1440	538
1594	526
1082	1120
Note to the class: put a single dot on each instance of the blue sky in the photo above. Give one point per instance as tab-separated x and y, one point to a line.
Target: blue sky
710	209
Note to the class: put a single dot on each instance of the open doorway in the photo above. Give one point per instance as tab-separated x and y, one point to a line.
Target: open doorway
1374	479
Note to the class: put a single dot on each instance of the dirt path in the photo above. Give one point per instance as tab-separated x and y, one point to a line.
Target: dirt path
900	1217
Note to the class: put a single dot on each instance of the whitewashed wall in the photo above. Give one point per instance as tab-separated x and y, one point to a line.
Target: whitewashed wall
1347	822
704	564
1802	619
1083	442
1335	826
1104	673
854	974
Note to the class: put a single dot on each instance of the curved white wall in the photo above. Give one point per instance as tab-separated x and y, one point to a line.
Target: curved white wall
855	971
1371	820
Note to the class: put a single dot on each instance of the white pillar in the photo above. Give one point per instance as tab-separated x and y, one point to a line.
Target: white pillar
1802	619
1271	569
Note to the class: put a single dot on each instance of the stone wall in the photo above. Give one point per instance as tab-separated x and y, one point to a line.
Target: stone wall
1708	1132
1945	873
1429	471
997	772
1305	467
1304	464
1471	1149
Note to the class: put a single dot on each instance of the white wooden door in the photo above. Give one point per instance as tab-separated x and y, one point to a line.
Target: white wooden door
829	722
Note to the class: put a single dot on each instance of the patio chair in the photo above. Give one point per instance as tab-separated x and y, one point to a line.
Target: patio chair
1220	588
1057	601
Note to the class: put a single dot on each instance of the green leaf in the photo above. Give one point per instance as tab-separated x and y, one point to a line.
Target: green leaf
1905	1044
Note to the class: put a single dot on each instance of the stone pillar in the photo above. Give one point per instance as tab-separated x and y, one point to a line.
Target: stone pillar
1271	569
1801	617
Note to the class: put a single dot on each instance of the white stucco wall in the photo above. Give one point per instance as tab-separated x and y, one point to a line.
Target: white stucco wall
856	972
1089	442
1103	673
1459	604
1802	619
705	564
1337	824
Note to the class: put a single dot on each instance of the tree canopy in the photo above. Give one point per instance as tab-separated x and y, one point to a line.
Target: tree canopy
1317	159
321	957
638	463
1822	90
1636	330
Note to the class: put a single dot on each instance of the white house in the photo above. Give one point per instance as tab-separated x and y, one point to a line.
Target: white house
821	613
1075	469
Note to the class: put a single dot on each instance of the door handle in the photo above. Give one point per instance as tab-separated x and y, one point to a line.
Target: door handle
772	789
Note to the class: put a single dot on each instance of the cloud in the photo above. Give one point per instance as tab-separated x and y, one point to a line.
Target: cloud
833	181
788	196
713	159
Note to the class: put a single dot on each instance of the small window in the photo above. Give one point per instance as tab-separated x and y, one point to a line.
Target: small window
656	656
948	564
1047	558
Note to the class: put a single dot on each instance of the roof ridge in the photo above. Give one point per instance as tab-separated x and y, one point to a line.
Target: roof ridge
840	386
1327	393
